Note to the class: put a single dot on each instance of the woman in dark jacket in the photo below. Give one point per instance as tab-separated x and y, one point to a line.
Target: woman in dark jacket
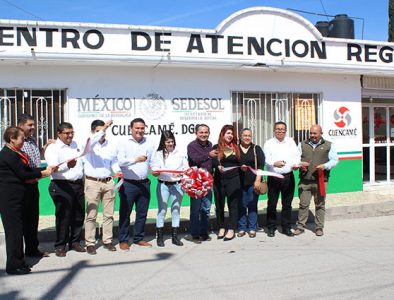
227	182
14	171
251	156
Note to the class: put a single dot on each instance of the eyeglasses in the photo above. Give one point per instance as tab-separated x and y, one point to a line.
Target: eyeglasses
280	130
68	133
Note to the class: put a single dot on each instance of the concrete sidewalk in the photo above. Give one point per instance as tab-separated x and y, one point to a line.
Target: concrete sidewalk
378	201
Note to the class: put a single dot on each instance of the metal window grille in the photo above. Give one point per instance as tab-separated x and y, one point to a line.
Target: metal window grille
46	106
260	110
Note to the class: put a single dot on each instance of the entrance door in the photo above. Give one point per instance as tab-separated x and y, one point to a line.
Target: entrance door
378	143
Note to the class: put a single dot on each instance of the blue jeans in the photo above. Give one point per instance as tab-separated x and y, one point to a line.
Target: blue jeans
175	194
248	209
130	194
200	209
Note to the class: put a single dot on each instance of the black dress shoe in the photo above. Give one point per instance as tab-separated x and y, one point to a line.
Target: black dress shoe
109	247
287	232
23	270
60	252
225	239
205	238
37	254
26	266
196	239
271	232
77	247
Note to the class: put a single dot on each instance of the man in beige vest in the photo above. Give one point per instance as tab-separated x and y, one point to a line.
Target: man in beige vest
316	154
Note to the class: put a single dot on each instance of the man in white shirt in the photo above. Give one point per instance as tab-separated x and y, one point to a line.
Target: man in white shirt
99	185
66	188
281	156
134	157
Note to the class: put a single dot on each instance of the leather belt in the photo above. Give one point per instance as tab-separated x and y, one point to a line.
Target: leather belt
77	181
169	182
136	180
104	180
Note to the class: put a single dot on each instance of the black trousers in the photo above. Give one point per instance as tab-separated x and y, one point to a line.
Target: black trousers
11	215
30	216
285	187
230	188
68	198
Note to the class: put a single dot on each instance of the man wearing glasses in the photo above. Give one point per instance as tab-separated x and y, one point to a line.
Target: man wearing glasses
281	156
66	188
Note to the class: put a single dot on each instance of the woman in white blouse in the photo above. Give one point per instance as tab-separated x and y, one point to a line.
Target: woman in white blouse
167	157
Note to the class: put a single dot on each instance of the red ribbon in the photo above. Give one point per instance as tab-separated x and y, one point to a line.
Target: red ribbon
322	186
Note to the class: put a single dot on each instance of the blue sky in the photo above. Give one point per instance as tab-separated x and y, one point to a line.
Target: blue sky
192	13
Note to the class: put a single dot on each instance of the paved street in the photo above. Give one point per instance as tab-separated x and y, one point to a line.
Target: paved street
355	259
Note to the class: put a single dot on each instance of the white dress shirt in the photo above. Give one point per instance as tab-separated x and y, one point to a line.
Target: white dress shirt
101	160
59	152
128	151
286	150
176	160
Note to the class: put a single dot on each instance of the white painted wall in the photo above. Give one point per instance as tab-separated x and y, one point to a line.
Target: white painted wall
169	83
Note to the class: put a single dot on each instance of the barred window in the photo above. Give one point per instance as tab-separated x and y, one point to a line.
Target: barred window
260	110
46	106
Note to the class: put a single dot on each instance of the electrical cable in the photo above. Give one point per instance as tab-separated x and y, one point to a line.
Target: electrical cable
22	9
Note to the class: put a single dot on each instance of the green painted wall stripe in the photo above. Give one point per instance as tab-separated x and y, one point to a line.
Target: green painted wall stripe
349	152
346	177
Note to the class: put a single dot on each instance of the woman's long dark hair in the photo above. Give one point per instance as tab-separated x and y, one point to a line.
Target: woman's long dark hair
165	135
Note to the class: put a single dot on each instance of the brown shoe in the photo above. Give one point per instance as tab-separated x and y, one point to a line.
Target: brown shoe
77	248
124	246
252	234
60	252
299	231
319	232
91	250
144	244
241	233
109	247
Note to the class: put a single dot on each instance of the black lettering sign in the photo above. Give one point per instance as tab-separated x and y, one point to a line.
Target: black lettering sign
99	36
138	36
354	50
5	36
195	43
70	36
159	41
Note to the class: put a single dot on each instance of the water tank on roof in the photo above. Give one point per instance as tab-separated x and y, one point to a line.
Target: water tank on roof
323	27
342	27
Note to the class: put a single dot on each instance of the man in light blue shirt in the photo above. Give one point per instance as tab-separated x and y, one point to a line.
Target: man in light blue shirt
134	157
318	157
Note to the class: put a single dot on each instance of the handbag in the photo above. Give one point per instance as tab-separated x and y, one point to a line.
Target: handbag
263	187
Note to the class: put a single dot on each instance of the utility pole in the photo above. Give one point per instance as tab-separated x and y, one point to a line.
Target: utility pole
391	21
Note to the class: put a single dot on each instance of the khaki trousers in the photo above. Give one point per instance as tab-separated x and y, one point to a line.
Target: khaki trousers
94	192
305	192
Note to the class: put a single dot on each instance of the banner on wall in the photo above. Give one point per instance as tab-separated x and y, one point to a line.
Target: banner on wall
178	114
342	125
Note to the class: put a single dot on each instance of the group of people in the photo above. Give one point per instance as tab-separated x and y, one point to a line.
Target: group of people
79	175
